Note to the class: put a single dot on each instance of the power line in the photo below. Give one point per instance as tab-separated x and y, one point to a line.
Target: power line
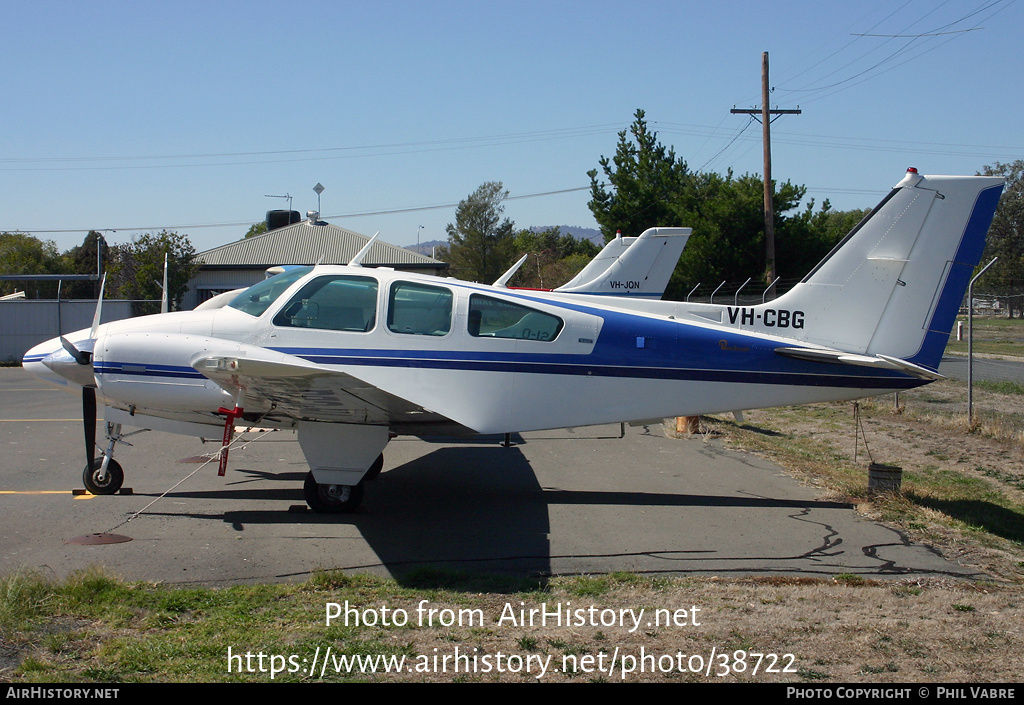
735	137
245	223
850	42
853	61
848	142
296	155
918	36
917	47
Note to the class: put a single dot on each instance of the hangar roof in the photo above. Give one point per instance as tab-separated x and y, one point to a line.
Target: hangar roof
306	243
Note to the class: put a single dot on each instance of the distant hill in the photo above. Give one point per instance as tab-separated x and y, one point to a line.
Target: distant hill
592	234
426	248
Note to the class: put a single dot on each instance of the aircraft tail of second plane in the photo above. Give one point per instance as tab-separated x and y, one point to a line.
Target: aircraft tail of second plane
632	266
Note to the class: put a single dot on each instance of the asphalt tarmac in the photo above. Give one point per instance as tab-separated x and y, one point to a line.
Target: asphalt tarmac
999	369
562	502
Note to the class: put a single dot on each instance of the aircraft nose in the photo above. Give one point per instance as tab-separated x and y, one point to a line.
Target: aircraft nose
33	363
51	362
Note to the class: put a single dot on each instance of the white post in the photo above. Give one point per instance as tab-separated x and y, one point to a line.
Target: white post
970	343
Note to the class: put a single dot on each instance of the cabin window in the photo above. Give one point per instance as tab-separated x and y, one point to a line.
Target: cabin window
333	302
419	309
258	298
495	318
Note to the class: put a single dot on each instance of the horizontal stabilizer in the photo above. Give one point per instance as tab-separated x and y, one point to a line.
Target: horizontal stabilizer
844	358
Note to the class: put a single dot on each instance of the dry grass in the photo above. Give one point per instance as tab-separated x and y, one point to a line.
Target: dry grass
963	484
793	630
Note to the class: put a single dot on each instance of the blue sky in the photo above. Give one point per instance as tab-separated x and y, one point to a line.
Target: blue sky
145	115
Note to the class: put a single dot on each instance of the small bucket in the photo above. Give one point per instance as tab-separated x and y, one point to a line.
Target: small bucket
884	478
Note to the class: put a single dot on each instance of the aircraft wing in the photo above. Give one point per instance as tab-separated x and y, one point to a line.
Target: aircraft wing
285	386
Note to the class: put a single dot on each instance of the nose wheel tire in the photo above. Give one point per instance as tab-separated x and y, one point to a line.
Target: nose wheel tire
331	499
110	484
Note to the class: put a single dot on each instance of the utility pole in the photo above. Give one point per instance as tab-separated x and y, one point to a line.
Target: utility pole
769	207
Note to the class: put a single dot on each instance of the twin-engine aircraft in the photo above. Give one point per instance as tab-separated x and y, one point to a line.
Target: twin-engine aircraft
350	356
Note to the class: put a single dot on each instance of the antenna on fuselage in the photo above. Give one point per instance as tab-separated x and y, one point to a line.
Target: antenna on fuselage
357	261
503	279
164	300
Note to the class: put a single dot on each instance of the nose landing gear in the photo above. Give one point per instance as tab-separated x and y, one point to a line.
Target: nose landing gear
100	480
104	475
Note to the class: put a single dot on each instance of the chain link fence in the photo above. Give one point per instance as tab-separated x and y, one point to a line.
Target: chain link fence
1005	301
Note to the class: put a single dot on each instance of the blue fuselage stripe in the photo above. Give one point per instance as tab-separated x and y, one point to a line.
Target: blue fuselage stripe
146	370
631	372
490	363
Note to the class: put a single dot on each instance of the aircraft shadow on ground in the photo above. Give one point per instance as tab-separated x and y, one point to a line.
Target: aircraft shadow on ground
467	508
462	508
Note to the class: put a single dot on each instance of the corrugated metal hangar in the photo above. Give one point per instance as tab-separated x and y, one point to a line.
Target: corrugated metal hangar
295	242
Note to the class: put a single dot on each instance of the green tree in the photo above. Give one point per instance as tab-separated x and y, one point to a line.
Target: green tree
82	260
21	253
480	242
136	269
831	226
552	258
1006	236
649	186
646	182
256	229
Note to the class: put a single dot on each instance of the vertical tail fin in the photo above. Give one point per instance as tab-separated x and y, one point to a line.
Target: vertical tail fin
632	266
894	285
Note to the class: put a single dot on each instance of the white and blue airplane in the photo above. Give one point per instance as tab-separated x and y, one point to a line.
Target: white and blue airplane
350	356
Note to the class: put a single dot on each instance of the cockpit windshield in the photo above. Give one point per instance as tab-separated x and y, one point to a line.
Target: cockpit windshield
258	298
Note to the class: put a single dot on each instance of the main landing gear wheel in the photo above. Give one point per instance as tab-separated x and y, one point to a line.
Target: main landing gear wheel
331	499
110	485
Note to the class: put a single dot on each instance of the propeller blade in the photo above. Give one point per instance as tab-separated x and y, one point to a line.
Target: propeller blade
99	309
89	420
81	358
